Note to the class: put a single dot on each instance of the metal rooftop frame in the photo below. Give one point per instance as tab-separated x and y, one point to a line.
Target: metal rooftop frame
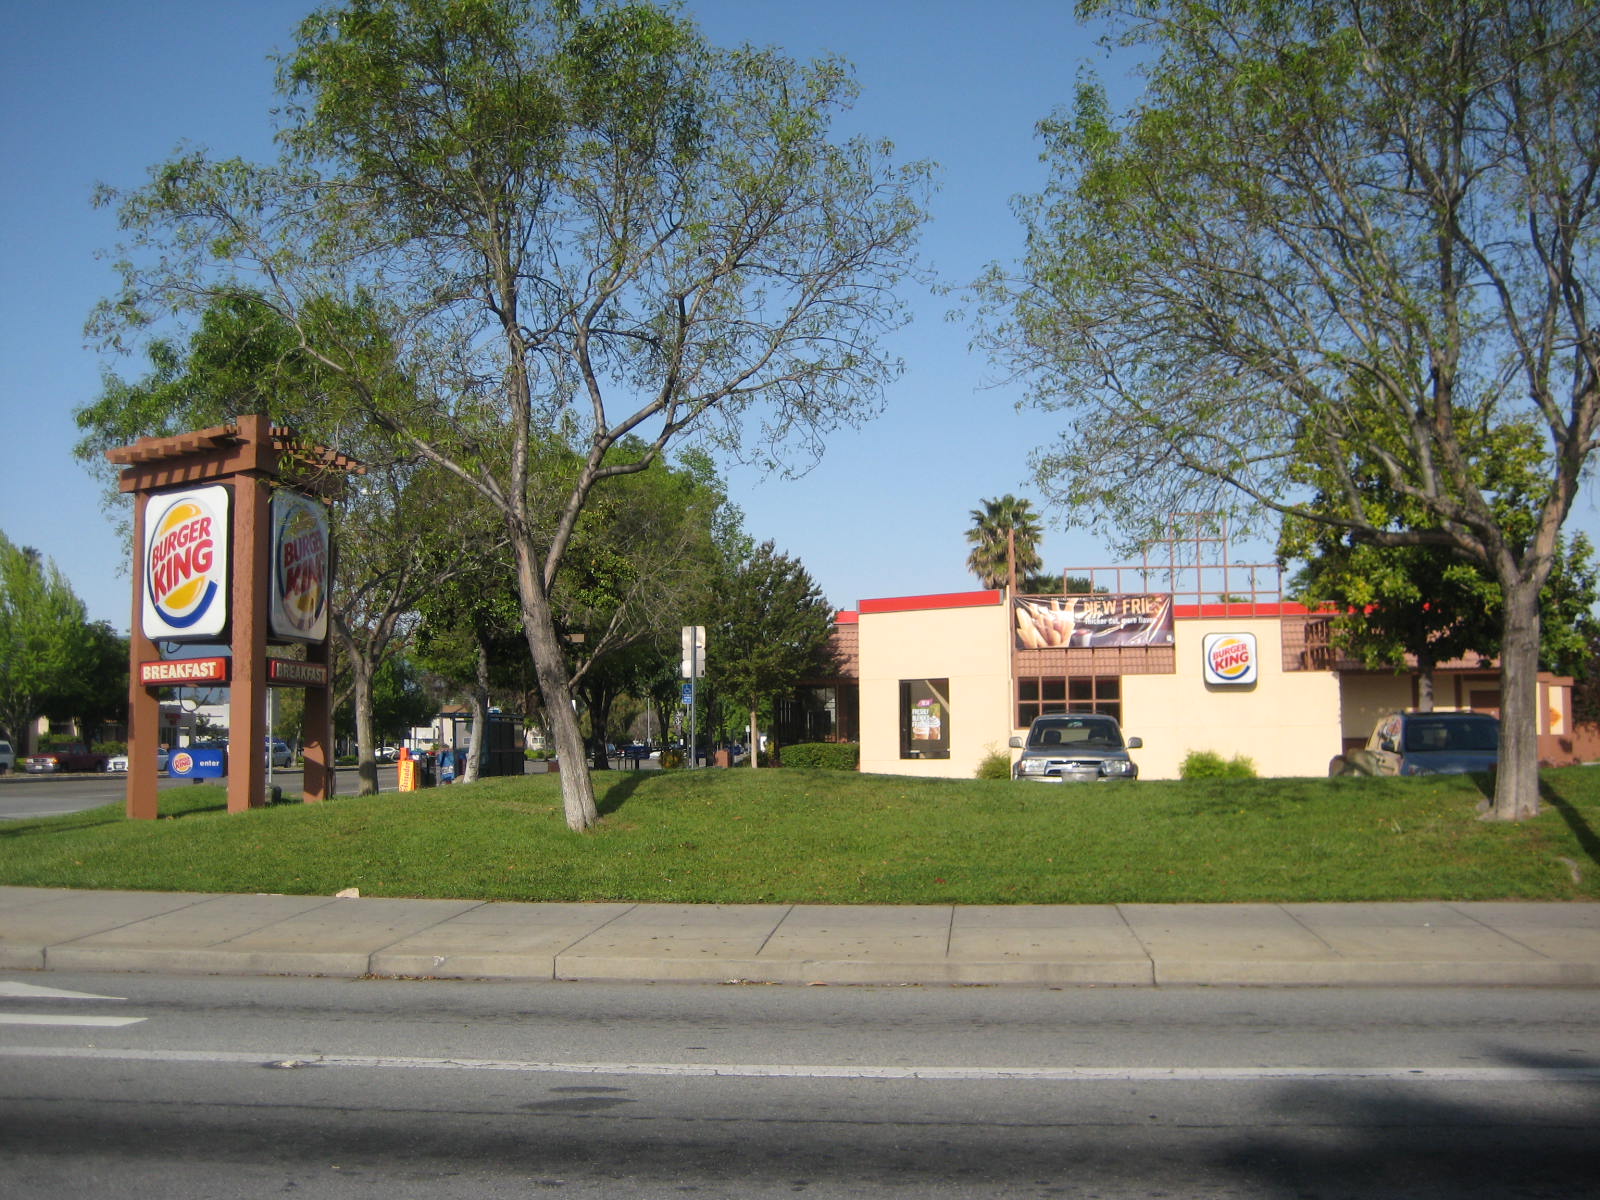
1196	570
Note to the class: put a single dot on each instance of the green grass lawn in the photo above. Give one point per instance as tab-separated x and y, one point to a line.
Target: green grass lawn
820	837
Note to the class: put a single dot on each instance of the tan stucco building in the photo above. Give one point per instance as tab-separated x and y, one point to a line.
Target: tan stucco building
936	683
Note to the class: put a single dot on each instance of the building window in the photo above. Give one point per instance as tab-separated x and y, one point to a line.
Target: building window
924	718
1040	694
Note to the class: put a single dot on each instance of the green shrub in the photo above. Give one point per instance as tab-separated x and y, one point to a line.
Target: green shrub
1207	764
996	764
830	756
671	759
110	749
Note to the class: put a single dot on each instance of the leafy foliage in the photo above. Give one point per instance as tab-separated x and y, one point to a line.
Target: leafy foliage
826	756
573	218
999	525
1208	764
768	627
994	765
53	661
1336	242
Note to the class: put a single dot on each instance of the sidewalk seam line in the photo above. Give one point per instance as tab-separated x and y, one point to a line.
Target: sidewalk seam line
1324	942
1455	907
788	911
1149	958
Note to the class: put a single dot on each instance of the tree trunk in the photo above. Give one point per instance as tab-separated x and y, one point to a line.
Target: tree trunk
755	741
1516	785
1425	684
577	786
361	697
480	717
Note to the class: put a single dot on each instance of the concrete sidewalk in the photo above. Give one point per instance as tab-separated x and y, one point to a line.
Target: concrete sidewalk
1540	945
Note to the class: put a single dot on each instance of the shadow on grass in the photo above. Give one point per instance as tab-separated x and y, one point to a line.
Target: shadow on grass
612	794
1581	831
66	823
103	816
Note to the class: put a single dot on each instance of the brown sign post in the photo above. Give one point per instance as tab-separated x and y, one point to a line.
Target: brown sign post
230	544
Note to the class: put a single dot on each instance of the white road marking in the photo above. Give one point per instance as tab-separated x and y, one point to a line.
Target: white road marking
32	991
764	1071
65	1019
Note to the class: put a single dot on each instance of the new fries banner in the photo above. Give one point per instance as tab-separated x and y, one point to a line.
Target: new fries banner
1128	619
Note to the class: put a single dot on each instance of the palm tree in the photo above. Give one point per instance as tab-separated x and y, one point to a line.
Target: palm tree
996	526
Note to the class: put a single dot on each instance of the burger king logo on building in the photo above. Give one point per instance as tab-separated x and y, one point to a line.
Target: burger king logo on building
300	576
186	565
1230	659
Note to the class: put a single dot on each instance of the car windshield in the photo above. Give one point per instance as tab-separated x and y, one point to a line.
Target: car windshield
1100	732
1482	734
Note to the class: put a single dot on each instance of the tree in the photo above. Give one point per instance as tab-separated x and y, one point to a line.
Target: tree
768	628
586	219
1005	537
96	695
1335	238
47	646
1038	583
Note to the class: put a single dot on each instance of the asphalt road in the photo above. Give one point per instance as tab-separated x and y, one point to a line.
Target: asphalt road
230	1087
24	796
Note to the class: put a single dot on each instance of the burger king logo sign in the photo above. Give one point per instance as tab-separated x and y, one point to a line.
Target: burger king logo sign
300	576
1230	659
186	565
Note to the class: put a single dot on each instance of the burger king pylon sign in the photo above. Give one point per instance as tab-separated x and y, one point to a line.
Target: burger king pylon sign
300	560
184	578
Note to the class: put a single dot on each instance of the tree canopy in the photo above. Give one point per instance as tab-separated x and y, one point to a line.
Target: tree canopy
1003	527
1333	239
768	627
53	661
577	217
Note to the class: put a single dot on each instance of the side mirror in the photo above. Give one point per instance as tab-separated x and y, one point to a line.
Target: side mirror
1387	745
1016	742
1135	743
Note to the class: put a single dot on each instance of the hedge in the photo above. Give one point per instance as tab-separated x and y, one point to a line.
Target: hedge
831	756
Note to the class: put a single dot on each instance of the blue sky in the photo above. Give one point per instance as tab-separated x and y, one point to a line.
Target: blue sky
99	91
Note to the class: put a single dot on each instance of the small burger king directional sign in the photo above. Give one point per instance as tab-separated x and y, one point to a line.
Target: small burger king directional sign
1230	659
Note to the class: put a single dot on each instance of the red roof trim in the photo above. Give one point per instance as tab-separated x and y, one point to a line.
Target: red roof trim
846	616
943	600
1241	609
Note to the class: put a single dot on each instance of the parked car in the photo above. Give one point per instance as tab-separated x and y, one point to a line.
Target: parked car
8	757
119	762
278	753
386	753
71	756
1425	743
1062	747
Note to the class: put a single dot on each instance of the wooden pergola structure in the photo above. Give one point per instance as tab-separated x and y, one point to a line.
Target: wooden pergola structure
252	459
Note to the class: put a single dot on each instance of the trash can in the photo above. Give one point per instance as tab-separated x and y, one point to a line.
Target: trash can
425	771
